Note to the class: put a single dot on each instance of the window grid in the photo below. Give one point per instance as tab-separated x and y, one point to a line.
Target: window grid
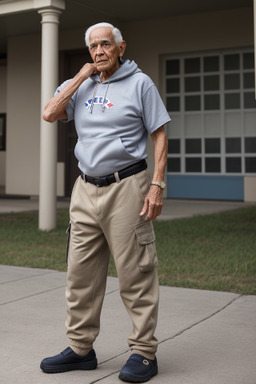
211	161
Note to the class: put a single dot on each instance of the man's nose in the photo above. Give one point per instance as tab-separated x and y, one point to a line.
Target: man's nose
99	49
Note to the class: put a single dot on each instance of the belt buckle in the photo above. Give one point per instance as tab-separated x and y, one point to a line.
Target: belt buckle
101	181
97	181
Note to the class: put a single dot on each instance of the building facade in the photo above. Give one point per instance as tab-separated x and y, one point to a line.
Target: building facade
202	61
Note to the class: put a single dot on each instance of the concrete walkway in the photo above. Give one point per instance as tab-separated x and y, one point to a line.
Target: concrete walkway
205	337
172	209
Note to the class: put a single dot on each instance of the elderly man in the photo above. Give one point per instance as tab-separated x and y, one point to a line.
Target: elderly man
114	106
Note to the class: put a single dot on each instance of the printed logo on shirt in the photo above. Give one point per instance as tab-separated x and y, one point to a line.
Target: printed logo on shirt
99	100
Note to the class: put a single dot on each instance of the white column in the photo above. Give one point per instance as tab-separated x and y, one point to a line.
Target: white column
48	136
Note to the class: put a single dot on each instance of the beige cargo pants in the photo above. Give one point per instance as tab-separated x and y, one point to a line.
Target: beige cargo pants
104	220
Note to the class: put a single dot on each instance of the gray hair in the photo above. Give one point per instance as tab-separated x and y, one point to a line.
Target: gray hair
115	32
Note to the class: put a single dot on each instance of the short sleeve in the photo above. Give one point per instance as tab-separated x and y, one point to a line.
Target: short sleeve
154	113
71	104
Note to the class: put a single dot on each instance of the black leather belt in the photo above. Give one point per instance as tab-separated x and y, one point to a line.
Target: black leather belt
104	181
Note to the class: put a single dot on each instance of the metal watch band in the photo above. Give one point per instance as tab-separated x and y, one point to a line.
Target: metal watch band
159	184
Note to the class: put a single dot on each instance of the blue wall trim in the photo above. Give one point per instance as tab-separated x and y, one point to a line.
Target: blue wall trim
205	187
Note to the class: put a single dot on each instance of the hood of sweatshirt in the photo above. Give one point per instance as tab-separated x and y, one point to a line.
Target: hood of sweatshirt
126	69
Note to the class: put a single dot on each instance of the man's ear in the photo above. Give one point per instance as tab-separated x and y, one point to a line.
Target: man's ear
122	47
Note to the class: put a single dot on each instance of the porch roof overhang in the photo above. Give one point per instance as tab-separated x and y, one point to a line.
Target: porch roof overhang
20	17
16	6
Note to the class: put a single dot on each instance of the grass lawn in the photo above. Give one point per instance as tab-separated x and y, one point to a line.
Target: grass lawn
215	252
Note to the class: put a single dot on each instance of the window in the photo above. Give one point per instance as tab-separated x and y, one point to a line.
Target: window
250	164
174	146
212	164
211	100
192	84
173	85
250	149
173	165
233	164
193	103
212	145
233	145
232	81
172	67
192	65
173	104
211	64
250	144
193	164
193	145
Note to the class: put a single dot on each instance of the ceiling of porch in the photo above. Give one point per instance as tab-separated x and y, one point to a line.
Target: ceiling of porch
81	13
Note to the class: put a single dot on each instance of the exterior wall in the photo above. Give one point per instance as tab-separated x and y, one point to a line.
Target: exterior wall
148	40
3	88
23	118
23	115
250	189
72	39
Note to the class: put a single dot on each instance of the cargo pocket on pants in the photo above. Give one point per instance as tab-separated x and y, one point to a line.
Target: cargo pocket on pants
68	241
147	256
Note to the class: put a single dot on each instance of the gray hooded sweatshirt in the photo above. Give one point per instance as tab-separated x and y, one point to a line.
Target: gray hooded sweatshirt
113	119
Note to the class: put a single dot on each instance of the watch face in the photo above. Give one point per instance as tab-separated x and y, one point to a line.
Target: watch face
160	184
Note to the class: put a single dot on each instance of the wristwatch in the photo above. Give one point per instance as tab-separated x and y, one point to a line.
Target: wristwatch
159	184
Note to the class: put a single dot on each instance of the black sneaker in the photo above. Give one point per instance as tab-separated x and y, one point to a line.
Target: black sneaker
68	360
138	369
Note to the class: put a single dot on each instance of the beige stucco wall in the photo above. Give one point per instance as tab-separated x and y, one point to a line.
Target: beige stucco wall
3	91
3	85
147	42
250	188
2	168
23	113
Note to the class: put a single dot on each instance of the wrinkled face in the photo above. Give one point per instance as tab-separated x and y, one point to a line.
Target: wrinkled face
104	50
